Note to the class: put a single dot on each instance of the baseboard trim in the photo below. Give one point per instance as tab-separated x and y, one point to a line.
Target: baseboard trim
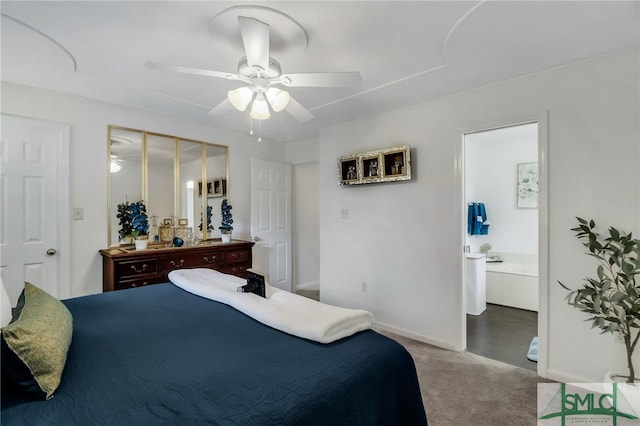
418	337
562	377
311	285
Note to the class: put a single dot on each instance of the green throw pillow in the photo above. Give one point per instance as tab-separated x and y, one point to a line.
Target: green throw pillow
35	343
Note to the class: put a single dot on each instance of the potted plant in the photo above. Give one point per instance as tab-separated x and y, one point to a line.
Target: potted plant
209	214
227	219
139	224
124	234
612	298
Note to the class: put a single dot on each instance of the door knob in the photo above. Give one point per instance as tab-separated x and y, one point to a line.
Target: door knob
51	252
256	238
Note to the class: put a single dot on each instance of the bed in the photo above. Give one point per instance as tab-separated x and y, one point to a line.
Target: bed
160	355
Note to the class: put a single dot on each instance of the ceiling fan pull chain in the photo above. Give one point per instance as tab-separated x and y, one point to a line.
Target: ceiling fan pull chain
260	131
251	131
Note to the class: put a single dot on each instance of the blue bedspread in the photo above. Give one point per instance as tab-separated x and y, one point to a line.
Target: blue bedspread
161	356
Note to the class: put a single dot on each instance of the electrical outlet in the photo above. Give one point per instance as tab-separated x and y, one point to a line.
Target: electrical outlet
364	287
344	213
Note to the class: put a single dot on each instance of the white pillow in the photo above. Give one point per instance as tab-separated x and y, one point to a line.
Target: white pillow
5	308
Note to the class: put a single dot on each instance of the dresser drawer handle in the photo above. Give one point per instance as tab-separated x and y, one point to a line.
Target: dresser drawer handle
237	256
141	270
213	259
173	263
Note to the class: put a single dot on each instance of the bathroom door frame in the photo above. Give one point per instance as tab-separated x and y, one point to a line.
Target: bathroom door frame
542	118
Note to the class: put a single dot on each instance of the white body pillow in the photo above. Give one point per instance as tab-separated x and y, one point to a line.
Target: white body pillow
284	311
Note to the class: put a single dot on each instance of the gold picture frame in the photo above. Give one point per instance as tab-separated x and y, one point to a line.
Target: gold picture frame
348	170
215	188
394	163
382	165
371	167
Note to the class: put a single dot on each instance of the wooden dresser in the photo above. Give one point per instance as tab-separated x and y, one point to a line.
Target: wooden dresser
124	267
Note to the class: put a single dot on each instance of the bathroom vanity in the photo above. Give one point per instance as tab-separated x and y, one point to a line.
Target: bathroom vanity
476	284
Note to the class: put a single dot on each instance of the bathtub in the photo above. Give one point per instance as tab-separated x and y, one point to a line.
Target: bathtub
513	284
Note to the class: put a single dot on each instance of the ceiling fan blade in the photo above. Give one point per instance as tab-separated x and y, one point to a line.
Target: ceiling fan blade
255	37
297	111
222	108
321	79
197	71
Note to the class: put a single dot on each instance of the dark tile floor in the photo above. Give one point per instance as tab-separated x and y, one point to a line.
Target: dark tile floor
503	333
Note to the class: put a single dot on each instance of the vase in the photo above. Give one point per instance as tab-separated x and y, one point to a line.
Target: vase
141	244
226	237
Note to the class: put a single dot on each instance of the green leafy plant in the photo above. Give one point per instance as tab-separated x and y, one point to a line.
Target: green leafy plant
124	221
612	298
133	219
138	218
209	214
227	218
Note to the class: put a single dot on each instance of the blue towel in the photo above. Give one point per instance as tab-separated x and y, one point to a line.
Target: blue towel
484	227
470	218
477	219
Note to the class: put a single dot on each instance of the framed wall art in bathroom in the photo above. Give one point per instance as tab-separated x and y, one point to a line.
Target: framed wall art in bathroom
527	186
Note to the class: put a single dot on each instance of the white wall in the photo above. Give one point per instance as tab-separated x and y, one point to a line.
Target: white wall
304	151
303	155
491	161
88	120
306	222
404	240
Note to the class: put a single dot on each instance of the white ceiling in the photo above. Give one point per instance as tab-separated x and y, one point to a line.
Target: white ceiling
406	52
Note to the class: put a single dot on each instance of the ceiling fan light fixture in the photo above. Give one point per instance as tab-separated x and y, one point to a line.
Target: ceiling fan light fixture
240	98
114	165
259	108
278	98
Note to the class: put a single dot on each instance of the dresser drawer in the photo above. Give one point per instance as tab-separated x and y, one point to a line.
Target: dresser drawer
140	282
239	270
132	268
191	260
237	256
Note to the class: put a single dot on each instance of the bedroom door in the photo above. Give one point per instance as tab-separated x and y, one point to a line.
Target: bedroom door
271	220
34	225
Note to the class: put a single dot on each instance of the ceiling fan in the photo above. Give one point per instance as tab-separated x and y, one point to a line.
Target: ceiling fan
262	74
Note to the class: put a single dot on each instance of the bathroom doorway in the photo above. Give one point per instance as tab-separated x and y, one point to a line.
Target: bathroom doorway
501	243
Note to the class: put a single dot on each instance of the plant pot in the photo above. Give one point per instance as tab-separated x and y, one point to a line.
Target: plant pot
226	237
617	377
141	244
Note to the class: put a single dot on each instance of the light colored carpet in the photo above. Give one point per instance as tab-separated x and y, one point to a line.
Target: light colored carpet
465	389
461	388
